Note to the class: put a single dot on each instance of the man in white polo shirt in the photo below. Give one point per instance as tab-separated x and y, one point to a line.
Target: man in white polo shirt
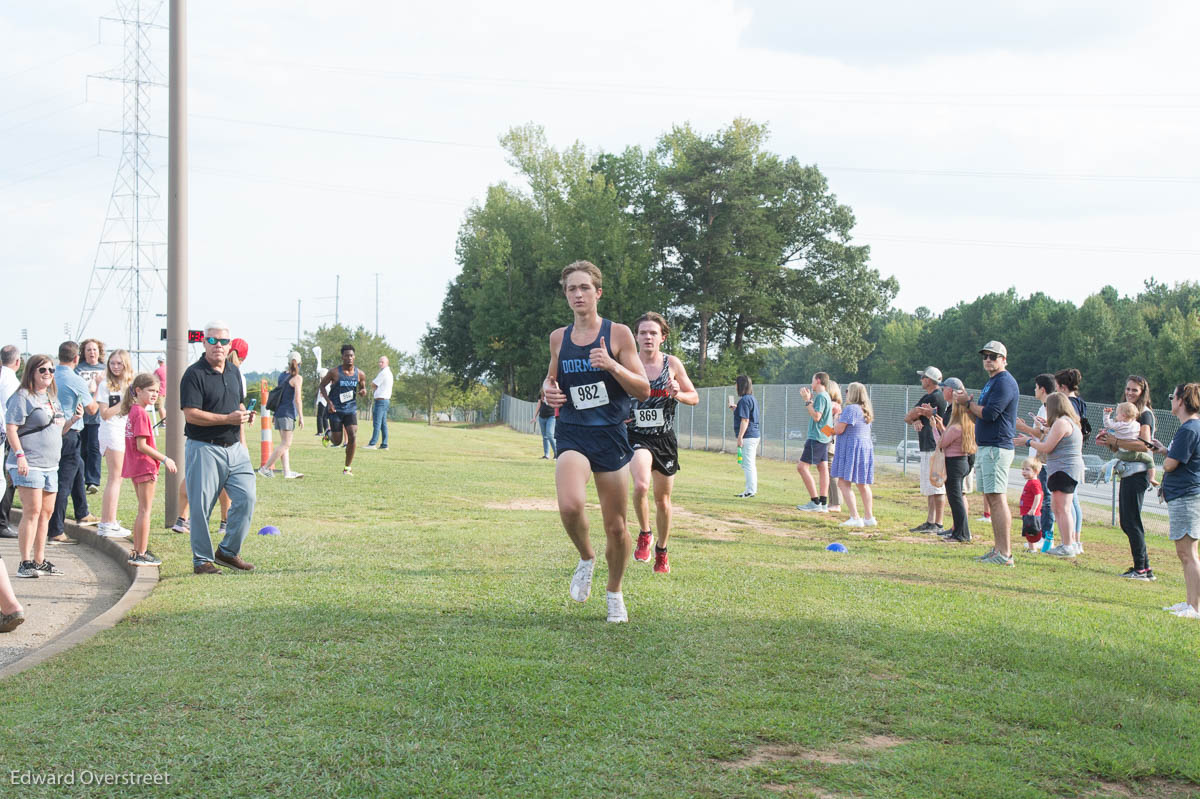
379	407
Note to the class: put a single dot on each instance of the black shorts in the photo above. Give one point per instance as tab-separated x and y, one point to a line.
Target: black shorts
815	451
1061	481
664	451
605	446
338	419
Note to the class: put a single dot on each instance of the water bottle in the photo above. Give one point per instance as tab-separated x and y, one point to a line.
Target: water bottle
739	454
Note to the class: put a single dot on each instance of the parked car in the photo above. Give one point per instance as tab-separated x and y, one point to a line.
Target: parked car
908	451
1093	469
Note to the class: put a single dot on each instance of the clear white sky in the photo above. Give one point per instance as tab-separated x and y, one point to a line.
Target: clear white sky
1044	145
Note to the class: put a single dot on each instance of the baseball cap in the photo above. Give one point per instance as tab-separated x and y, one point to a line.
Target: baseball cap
994	346
240	346
293	356
952	382
162	359
932	372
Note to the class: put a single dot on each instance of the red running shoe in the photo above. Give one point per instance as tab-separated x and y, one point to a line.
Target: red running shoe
642	551
661	564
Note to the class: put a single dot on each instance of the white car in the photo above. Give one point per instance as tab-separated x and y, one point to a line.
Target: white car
908	450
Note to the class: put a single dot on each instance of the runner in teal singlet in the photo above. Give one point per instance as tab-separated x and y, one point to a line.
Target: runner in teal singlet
594	369
340	387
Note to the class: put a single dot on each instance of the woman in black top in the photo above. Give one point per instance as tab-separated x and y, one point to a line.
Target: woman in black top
545	416
1133	485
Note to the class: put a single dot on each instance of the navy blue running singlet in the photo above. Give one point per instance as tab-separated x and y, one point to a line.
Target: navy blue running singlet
594	397
344	390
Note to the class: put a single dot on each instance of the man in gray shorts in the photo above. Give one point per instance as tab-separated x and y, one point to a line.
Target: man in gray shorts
819	408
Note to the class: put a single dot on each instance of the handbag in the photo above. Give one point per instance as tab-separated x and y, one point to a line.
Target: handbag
937	469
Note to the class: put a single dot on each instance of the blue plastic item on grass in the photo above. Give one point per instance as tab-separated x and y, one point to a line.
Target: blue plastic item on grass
836	547
269	530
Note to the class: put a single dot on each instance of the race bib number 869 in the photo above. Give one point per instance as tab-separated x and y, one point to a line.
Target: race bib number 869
648	417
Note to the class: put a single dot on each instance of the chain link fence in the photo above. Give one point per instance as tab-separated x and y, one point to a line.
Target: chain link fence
708	425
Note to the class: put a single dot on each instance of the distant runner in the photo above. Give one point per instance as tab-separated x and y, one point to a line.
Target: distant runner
594	369
652	436
340	387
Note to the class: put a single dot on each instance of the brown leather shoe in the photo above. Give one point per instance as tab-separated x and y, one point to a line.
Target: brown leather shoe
61	538
207	567
233	561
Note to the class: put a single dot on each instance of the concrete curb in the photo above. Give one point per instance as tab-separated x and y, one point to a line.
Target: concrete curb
141	583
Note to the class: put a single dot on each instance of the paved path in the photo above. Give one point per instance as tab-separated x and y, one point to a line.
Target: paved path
54	606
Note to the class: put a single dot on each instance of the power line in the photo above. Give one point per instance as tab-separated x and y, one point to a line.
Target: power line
1068	176
334	187
335	132
1032	245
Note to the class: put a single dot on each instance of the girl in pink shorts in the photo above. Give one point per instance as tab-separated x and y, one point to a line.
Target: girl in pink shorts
142	461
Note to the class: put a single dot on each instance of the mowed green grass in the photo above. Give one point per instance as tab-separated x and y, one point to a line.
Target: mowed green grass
410	634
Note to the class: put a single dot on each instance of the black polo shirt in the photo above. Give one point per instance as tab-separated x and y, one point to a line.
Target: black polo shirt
206	389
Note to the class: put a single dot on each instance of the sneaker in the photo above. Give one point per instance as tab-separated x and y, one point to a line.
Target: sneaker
661	564
221	530
1062	551
11	621
870	522
325	442
641	553
1128	573
292	475
986	555
383	446
744	495
834	508
181	525
853	521
112	530
999	560
1188	612
265	472
923	527
822	508
987	519
810	505
146	558
370	446
1077	547
581	580
1178	606
937	529
616	608
93	489
347	472
88	521
1145	574
47	568
28	568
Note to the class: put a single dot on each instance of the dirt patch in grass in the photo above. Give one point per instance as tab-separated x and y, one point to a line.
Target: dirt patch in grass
841	754
1151	788
531	503
797	790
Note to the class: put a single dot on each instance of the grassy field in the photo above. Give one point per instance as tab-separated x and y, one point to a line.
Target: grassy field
410	634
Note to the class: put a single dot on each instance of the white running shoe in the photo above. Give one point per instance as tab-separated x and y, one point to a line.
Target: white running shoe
616	608
870	522
263	471
853	521
1188	612
581	580
1078	547
1062	551
292	475
112	530
1178	606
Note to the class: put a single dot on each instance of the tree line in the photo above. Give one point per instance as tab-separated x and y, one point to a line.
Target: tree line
740	248
1108	337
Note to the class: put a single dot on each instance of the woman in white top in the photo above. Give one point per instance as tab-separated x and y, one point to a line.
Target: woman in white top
118	374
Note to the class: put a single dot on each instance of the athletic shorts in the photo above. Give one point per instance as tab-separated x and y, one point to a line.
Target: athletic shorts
338	420
1061	482
1184	517
928	489
285	423
605	446
815	451
664	451
992	464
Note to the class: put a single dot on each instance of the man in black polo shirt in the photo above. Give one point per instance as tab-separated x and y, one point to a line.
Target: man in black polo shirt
919	418
215	456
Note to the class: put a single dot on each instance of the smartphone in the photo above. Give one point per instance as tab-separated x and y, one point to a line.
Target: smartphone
253	405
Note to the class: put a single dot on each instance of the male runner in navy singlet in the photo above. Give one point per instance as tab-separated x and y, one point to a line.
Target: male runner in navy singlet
594	369
341	387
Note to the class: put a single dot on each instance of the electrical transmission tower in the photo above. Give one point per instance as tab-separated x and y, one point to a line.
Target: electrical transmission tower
132	249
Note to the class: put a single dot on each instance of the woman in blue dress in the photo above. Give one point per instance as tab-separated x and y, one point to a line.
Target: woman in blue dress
854	457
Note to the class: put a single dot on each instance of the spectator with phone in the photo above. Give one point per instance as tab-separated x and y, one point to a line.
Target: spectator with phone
1181	490
215	455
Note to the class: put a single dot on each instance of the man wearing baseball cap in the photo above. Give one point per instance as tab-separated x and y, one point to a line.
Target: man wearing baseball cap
996	410
920	417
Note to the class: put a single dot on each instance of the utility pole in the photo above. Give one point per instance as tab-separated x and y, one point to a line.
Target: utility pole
177	248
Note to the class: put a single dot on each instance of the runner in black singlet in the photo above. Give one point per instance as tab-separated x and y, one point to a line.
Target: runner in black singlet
594	369
341	387
652	435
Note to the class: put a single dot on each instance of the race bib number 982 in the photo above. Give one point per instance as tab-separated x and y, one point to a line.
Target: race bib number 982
345	397
592	395
648	417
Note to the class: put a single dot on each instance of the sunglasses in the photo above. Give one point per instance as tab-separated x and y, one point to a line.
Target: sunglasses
224	342
45	370
1171	397
989	356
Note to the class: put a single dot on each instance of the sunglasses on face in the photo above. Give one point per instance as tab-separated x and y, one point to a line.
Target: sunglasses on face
1171	397
224	342
989	356
45	370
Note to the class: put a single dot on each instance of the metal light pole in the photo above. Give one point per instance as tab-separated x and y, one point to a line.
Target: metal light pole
177	247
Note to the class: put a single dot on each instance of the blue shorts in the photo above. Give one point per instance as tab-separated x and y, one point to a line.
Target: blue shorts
815	451
44	479
605	446
340	419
